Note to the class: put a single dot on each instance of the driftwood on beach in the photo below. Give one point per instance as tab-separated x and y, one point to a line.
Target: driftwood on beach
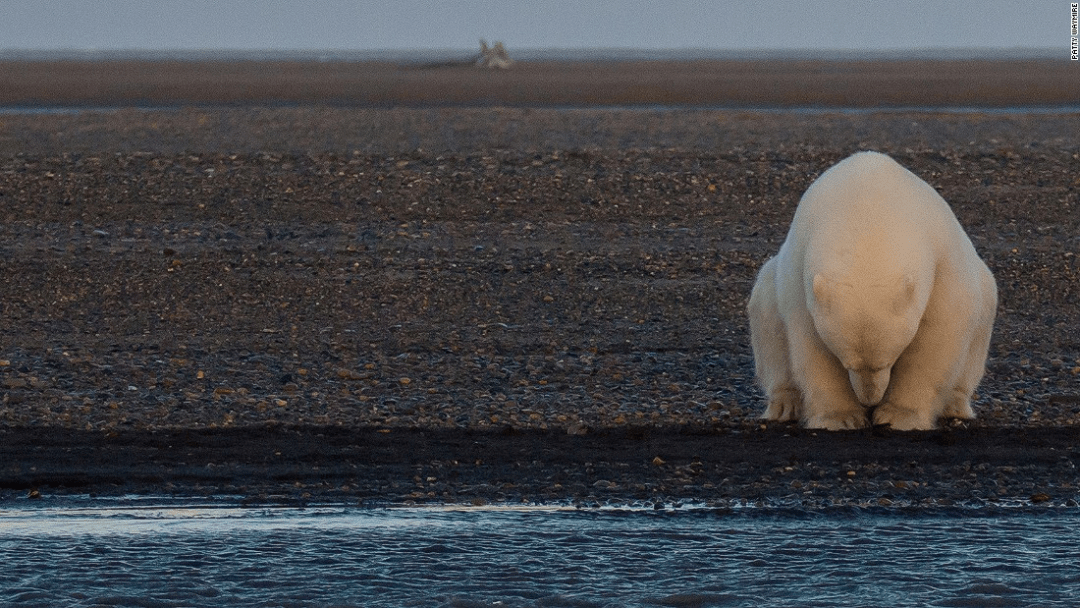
493	57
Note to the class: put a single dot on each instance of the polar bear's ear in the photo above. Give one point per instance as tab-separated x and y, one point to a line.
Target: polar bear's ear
821	290
905	297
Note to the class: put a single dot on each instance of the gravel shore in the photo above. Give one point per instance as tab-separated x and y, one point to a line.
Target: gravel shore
445	279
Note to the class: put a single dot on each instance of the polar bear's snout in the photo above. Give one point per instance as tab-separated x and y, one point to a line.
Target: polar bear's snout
869	386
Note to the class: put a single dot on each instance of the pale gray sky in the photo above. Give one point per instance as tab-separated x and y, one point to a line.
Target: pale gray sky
457	24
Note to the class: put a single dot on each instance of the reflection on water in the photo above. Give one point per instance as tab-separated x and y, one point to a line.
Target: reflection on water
224	556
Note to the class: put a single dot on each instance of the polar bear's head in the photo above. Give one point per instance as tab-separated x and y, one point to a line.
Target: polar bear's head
867	327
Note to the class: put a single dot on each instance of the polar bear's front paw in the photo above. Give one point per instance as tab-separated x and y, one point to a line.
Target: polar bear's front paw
958	406
842	420
784	406
903	419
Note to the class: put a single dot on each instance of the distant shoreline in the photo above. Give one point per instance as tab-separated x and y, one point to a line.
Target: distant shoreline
134	81
53	110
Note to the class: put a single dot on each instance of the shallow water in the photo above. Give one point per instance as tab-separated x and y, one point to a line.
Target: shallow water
212	555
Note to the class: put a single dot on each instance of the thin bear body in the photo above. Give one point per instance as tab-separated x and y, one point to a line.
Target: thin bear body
877	309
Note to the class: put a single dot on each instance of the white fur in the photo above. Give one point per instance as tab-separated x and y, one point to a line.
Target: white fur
876	308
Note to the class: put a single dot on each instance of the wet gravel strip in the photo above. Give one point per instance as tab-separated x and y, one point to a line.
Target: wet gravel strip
661	467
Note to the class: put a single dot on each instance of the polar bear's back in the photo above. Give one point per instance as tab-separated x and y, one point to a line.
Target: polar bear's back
868	219
871	188
869	207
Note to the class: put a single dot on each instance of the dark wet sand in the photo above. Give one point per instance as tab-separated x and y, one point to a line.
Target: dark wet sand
485	304
636	466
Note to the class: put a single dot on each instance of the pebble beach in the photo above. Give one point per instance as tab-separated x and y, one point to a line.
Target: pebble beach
274	288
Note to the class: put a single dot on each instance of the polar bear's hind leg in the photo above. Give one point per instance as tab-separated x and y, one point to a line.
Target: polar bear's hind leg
960	404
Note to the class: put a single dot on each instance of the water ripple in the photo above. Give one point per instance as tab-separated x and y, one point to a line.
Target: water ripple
427	557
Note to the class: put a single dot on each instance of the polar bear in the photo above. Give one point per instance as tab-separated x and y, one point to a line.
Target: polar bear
876	309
